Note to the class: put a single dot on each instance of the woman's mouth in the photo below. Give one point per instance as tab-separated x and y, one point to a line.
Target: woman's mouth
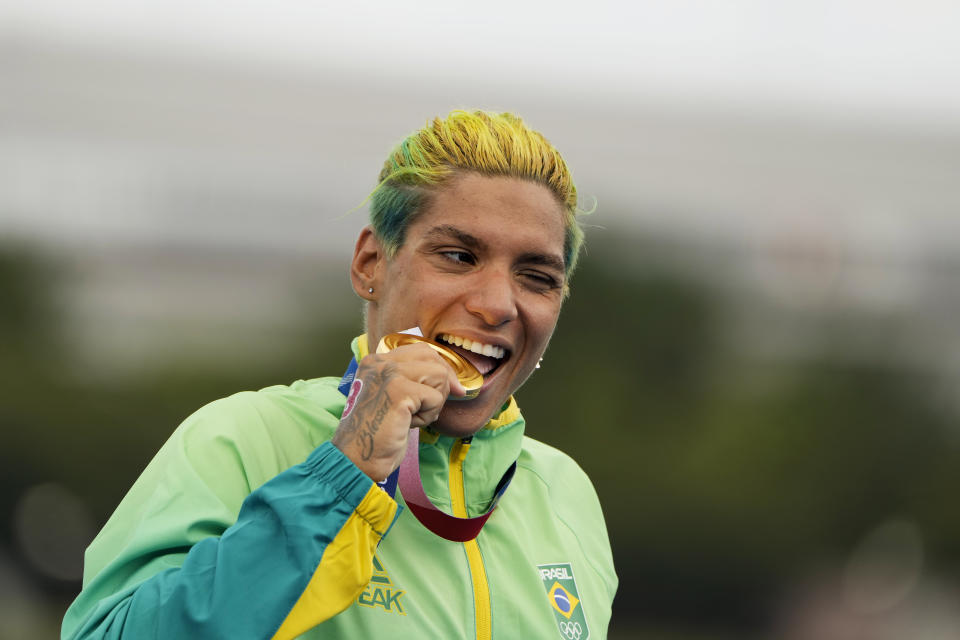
485	357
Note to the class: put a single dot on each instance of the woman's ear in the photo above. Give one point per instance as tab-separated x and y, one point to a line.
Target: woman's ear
365	269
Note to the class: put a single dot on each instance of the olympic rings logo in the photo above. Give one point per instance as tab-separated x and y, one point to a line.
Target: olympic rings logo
572	630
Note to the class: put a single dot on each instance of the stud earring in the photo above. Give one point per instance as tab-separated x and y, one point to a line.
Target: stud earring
370	290
539	362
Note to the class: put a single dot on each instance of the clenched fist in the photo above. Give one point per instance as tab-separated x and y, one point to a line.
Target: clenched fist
398	390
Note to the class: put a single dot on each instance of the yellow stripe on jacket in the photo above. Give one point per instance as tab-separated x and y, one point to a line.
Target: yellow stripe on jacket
345	568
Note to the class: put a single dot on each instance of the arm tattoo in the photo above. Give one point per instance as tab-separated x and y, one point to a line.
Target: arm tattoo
371	406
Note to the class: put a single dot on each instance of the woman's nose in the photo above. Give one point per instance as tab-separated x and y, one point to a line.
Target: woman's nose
492	298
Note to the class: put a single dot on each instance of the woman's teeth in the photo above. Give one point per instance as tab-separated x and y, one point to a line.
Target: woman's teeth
477	347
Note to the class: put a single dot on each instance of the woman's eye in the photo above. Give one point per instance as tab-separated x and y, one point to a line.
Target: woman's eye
541	280
458	256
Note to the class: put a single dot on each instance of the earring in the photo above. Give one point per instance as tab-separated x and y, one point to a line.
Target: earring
539	362
370	290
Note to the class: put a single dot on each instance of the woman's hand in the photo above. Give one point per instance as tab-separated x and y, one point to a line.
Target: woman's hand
392	393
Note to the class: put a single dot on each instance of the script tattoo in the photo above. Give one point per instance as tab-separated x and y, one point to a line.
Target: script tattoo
371	407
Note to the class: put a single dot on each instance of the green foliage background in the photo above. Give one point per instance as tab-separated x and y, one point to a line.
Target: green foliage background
725	480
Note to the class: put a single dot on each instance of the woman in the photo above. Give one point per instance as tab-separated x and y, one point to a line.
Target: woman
261	517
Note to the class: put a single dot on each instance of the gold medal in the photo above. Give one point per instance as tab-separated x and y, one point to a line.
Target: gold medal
467	374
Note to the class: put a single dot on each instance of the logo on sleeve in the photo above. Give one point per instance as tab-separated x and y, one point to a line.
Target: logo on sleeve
562	595
381	592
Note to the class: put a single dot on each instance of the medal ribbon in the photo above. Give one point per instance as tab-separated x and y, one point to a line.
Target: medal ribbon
407	477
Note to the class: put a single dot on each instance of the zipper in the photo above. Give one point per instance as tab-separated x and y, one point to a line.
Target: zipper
478	574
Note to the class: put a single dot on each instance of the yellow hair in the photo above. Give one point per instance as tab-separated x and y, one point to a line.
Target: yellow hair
492	144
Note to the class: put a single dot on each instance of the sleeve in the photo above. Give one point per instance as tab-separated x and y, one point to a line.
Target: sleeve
299	552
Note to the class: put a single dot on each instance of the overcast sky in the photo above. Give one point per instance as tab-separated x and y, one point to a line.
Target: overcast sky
881	57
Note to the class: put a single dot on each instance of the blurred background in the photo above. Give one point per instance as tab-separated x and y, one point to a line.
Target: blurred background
761	350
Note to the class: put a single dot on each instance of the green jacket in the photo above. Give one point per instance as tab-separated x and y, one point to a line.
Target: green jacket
249	524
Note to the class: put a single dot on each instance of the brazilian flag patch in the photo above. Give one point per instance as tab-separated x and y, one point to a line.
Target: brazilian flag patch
562	595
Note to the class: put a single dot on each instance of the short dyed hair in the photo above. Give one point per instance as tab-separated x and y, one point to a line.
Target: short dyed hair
491	144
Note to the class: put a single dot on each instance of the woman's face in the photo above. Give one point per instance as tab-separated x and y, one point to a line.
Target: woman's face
482	263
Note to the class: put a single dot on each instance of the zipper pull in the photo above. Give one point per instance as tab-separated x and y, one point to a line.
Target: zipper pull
464	447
